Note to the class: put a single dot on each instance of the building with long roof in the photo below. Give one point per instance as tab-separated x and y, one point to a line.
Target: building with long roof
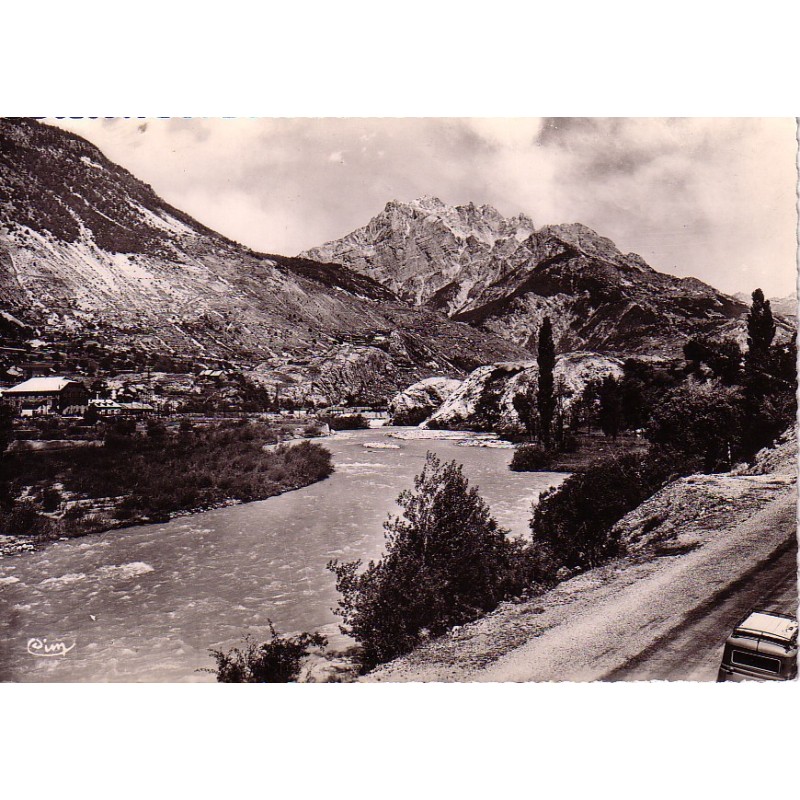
47	395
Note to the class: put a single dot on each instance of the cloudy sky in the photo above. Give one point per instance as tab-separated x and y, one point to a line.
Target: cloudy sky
712	198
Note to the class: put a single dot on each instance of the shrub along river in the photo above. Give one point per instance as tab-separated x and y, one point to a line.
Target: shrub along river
146	603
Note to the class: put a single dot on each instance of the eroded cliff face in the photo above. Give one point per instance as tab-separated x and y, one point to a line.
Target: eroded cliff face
485	400
503	276
417	402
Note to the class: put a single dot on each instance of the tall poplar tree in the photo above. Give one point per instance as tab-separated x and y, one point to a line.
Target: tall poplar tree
545	398
760	333
760	325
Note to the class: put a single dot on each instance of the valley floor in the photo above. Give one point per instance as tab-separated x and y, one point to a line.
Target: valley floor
606	624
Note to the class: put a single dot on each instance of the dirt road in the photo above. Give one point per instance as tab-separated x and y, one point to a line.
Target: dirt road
693	651
616	629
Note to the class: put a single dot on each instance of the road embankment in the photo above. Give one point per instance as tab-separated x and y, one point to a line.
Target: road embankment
591	626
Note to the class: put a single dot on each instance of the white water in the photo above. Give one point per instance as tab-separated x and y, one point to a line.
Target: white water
146	603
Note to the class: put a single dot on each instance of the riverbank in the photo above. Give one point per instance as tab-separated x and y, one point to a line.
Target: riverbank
11	545
688	545
147	602
145	478
587	449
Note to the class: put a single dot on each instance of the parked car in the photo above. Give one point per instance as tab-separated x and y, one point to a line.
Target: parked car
763	646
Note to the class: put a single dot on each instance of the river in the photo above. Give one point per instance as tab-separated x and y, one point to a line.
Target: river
146	603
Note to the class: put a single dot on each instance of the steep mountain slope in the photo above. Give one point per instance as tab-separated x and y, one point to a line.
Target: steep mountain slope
784	306
86	249
503	276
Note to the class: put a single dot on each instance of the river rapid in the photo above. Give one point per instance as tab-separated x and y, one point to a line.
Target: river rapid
146	603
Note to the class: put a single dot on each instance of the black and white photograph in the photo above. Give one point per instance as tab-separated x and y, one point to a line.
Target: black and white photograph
398	400
335	400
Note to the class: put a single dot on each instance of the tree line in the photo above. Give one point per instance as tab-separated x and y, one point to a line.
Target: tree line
719	404
149	475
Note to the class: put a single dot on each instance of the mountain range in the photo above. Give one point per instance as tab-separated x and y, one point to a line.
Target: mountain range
502	276
89	252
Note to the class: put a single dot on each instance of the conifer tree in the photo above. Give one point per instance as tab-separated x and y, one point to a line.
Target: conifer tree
760	333
545	398
760	325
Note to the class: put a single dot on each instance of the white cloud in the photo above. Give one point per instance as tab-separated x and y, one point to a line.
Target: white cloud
710	198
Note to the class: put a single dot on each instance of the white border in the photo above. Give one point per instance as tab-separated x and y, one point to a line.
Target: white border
398	59
416	58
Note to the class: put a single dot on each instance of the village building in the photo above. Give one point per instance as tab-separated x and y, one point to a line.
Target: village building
50	395
136	409
106	407
118	408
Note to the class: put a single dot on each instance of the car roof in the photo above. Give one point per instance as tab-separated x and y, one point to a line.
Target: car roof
776	626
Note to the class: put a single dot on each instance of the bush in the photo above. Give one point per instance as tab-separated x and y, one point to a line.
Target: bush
718	424
569	443
412	416
172	471
119	434
275	661
704	420
347	422
571	525
23	520
51	500
156	429
446	563
530	458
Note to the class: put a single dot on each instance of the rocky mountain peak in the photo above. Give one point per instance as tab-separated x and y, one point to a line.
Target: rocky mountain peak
428	252
429	203
503	275
586	241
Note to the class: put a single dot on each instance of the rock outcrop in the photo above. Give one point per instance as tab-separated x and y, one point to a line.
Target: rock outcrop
417	402
485	400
